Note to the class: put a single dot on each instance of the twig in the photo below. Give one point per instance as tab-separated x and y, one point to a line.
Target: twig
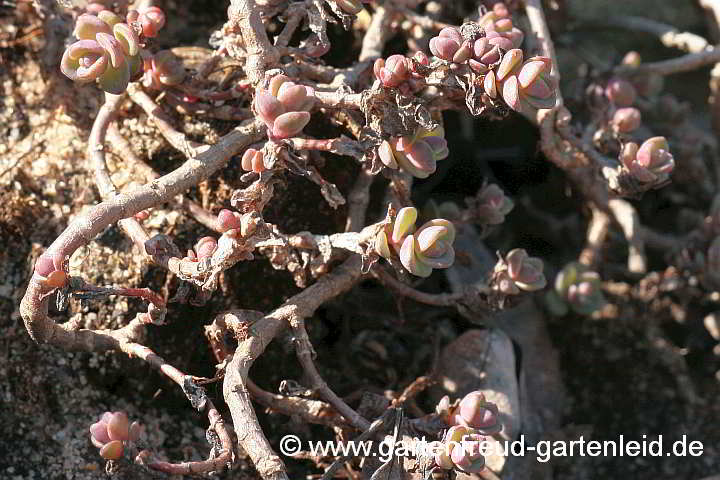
437	299
626	215
216	422
358	200
686	63
539	27
374	428
311	411
82	230
96	149
176	138
669	36
124	148
305	354
261	54
261	333
596	235
423	20
378	33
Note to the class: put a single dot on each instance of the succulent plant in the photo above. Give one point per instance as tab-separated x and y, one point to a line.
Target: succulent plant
524	85
419	250
518	271
461	450
491	205
393	71
477	413
151	20
108	49
499	28
111	434
204	248
620	92
51	268
284	107
229	220
418	154
626	120
651	162
253	161
577	288
162	69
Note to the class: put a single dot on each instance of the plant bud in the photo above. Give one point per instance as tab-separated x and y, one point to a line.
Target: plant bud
626	119
112	450
205	247
228	220
620	92
478	413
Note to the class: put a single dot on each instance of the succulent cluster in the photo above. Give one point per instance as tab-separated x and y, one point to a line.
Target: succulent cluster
108	49
399	71
622	94
471	421
651	162
525	85
420	250
577	288
491	49
284	107
518	271
162	69
626	119
112	433
481	53
490	205
417	154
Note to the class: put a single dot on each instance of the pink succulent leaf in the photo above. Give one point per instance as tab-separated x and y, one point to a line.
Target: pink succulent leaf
386	155
289	124
443	47
115	80
292	96
111	18
404	224
451	33
530	71
511	93
113	47
87	26
463	53
118	427
267	106
99	434
113	450
511	60
410	260
84	61
129	40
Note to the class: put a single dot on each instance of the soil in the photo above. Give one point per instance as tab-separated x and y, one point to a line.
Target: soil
617	379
